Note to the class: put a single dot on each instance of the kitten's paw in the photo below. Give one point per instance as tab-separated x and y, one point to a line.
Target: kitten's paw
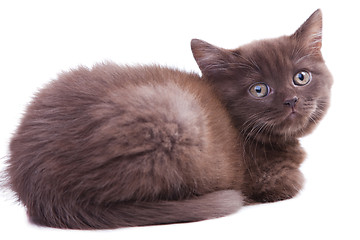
282	186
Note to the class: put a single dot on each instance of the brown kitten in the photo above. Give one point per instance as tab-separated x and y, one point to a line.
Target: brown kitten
116	146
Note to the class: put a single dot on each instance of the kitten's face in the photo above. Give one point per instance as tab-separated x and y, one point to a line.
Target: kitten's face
278	87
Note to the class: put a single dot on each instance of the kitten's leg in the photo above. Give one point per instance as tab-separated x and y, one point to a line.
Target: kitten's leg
275	179
278	184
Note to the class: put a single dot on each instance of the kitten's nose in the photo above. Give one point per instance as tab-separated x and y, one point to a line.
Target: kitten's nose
291	102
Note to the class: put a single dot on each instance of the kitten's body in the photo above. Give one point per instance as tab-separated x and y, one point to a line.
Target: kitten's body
126	146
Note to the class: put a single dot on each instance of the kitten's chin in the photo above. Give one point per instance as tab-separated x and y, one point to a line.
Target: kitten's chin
295	125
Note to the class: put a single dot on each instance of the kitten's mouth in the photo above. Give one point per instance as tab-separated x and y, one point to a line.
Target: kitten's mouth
296	121
292	116
293	121
293	110
293	113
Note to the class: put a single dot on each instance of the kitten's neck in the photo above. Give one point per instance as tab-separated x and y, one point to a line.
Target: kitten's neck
270	150
268	139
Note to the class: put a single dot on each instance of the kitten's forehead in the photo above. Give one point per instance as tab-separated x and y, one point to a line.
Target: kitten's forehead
272	57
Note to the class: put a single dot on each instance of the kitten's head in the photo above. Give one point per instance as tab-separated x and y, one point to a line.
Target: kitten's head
276	87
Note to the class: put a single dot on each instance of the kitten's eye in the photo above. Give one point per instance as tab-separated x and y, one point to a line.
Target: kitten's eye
302	78
259	90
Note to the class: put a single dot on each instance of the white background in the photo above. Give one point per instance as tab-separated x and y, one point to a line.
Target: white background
39	39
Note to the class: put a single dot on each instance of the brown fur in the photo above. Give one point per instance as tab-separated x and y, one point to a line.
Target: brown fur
116	146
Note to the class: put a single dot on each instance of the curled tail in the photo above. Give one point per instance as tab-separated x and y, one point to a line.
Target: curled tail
212	205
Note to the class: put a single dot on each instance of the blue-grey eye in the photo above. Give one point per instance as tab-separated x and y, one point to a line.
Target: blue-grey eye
302	78
259	90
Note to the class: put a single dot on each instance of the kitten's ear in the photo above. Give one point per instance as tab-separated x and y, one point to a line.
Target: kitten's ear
211	59
310	32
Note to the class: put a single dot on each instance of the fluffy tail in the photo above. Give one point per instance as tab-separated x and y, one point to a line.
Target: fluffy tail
212	205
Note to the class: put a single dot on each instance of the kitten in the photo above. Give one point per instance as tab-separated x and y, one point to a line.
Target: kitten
117	146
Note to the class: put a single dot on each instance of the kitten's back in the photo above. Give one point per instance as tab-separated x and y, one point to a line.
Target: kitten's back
111	142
